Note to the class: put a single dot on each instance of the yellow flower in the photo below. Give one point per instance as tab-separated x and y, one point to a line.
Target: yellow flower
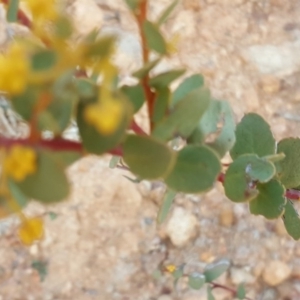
42	9
31	230
105	117
172	45
20	162
14	70
170	268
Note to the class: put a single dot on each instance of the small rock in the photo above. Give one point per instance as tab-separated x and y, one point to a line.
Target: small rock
269	294
238	275
270	84
165	297
226	217
276	272
181	227
274	59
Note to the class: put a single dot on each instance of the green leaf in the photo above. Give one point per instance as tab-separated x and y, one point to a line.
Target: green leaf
210	295
49	183
52	215
94	141
195	171
157	275
270	201
161	104
132	4
164	79
189	84
67	158
114	161
17	194
288	169
291	221
226	137
41	267
253	135
154	38
43	60
185	116
275	157
12	10
166	206
86	88
196	281
241	292
63	27
166	13
24	103
241	174
147	157
216	269
102	47
146	68
135	95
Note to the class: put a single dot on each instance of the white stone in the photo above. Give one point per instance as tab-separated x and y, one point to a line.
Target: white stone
181	227
238	275
276	272
274	59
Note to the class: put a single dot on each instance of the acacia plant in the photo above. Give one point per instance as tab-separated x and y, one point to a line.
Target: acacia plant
45	78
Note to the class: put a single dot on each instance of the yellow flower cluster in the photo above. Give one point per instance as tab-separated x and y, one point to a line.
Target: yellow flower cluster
170	268
14	70
105	117
31	230
42	9
20	162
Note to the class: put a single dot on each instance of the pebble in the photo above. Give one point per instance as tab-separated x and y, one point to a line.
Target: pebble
276	272
274	59
270	84
181	227
238	275
226	217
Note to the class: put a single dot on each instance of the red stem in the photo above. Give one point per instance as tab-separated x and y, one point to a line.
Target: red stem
136	128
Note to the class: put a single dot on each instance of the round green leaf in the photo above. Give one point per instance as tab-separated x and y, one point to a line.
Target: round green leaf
241	174
270	201
196	280
216	269
164	79
253	135
49	183
291	221
288	169
135	94
195	171
43	60
147	157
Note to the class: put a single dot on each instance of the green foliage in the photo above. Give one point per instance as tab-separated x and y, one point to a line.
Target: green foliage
253	135
147	157
192	105
49	183
270	201
215	270
155	40
292	220
288	168
241	292
166	206
12	10
194	162
196	280
166	12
